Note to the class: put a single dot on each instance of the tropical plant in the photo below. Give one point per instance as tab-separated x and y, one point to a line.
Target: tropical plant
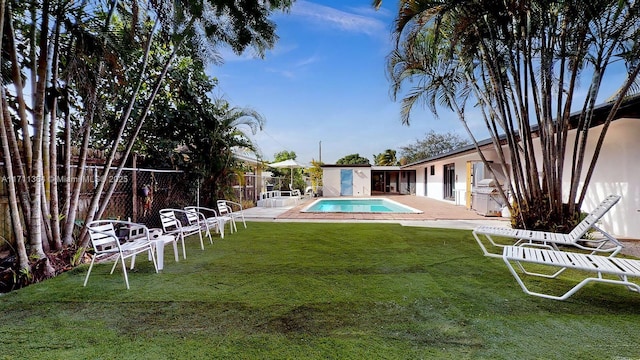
521	64
95	68
386	158
315	175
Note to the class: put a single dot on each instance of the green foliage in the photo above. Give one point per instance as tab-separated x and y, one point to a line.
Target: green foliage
286	174
536	216
323	291
503	63
431	145
353	159
386	158
315	174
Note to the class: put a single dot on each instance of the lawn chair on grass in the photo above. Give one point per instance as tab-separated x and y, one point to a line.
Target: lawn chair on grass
158	239
211	220
106	243
551	240
608	269
171	225
194	217
231	209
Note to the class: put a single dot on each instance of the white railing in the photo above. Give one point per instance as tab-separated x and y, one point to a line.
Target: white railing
278	198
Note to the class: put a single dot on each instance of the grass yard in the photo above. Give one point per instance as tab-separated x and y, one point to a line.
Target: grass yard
318	291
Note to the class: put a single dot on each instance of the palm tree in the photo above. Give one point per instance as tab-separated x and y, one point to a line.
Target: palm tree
387	158
73	54
519	63
212	152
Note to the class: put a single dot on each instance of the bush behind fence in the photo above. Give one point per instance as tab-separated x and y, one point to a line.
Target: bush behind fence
139	195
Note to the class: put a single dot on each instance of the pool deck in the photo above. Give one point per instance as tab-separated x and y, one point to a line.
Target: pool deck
434	213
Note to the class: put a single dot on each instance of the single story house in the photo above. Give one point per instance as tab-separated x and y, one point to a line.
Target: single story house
458	175
366	180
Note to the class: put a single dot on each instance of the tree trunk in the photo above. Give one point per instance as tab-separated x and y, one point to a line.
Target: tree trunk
53	147
5	127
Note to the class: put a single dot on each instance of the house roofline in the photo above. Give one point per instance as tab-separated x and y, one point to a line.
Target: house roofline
345	165
628	109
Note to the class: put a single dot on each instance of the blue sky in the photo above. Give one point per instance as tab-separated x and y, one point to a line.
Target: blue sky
325	81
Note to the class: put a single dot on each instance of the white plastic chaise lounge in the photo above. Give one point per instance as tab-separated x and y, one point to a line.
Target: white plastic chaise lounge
607	269
551	240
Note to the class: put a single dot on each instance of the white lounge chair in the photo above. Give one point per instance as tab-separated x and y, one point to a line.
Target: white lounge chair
196	218
209	219
171	225
237	212
105	243
551	240
608	269
233	210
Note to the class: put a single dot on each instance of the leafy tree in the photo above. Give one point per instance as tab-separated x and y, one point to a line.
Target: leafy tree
520	65
95	68
206	131
386	158
431	145
298	181
353	159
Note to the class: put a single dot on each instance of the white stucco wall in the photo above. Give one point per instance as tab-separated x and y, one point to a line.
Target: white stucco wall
617	172
331	181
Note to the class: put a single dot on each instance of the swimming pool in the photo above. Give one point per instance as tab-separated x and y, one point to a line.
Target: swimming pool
350	205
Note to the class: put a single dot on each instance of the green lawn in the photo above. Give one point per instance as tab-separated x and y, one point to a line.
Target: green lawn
318	291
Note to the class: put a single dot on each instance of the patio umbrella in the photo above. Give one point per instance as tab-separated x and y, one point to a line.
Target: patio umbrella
288	164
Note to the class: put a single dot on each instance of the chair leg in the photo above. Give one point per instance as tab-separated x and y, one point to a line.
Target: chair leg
124	271
93	258
153	257
209	234
175	249
201	241
115	263
184	250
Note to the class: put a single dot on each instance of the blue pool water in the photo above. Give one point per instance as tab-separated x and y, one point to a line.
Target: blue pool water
359	206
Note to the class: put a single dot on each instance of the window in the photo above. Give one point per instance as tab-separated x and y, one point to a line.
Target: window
433	170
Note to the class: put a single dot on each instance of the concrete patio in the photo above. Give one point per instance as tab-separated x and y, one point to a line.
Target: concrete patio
434	213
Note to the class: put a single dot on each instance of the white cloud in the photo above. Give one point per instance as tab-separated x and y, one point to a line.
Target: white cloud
337	19
308	61
285	73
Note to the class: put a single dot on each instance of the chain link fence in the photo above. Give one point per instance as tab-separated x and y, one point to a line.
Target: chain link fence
139	195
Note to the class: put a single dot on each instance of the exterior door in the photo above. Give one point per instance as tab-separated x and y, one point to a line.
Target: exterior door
426	174
346	182
449	182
